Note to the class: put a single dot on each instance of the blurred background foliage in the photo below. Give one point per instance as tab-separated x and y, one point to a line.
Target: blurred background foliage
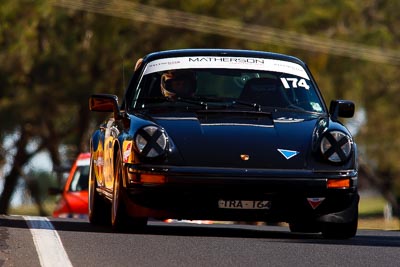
55	54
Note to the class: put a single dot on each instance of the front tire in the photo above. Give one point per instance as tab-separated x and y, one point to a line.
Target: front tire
340	230
120	220
98	207
118	213
304	227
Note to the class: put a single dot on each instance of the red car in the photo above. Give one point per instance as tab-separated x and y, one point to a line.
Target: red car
74	196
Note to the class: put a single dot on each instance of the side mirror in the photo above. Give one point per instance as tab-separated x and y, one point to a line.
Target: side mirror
105	103
341	109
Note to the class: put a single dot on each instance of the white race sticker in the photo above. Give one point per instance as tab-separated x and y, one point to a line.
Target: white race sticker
208	62
294	83
316	106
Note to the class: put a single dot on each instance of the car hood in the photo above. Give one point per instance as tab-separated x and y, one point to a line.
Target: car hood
243	140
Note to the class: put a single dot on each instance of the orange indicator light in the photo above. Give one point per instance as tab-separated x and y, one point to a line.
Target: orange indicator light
244	157
338	183
152	178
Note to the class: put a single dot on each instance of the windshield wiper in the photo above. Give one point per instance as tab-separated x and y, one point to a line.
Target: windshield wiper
191	101
256	106
208	98
160	100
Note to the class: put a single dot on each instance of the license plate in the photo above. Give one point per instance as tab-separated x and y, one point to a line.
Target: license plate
245	204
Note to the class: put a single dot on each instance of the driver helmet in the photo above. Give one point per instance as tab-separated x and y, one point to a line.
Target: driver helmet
178	83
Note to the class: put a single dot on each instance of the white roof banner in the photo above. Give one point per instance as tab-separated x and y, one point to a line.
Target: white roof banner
211	62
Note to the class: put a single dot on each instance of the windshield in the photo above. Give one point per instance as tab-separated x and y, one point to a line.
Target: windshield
80	180
203	84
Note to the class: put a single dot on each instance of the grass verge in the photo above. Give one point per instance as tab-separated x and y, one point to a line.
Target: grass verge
371	214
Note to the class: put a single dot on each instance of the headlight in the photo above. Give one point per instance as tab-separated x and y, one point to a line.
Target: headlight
336	146
151	141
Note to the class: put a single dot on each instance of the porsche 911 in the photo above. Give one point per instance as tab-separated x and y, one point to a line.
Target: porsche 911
226	135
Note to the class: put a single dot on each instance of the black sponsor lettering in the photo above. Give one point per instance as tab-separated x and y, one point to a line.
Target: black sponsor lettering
228	59
198	59
295	68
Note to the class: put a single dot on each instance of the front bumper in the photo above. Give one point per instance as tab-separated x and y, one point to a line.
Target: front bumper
193	193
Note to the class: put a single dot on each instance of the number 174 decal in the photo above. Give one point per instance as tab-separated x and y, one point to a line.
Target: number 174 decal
294	83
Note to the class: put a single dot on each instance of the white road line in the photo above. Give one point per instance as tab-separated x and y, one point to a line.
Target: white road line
47	242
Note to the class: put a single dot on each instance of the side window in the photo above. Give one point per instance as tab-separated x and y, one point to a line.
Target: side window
148	89
80	180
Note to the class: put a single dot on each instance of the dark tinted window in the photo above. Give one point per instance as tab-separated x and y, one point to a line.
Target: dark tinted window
269	89
80	180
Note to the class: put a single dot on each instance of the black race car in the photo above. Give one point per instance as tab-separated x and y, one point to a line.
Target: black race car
224	135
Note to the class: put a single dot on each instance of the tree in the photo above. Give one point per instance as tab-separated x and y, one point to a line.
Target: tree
53	66
54	58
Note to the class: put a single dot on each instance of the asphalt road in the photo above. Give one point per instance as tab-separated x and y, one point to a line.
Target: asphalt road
184	244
